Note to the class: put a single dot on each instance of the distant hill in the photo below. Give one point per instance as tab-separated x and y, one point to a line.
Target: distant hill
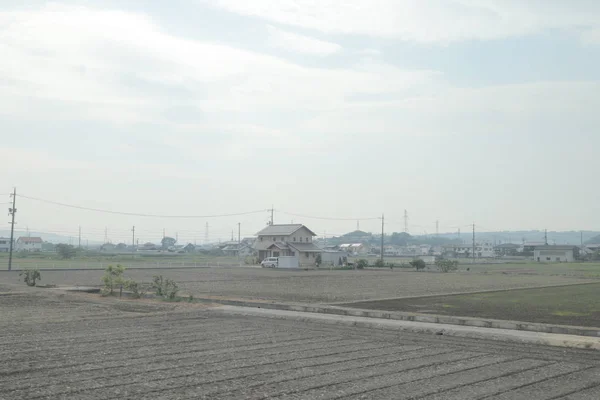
48	237
401	238
594	240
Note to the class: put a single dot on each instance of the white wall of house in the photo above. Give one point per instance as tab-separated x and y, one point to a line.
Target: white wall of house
4	245
28	246
553	255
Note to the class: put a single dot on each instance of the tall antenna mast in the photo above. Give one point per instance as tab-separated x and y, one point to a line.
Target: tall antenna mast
405	221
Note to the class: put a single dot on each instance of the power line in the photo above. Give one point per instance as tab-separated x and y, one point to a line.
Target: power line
138	214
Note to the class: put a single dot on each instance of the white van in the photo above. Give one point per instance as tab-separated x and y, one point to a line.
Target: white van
269	262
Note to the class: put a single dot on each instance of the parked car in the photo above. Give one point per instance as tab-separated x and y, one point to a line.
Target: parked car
269	262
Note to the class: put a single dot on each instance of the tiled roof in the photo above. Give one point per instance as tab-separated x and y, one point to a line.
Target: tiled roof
282	230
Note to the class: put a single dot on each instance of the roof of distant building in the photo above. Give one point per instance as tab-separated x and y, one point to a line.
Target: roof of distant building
282	230
306	247
556	247
27	239
508	246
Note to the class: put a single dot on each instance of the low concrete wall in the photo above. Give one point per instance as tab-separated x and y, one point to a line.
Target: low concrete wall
404	316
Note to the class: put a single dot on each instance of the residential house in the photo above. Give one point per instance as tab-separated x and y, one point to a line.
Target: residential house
4	245
148	246
108	247
287	240
507	249
566	253
241	249
26	243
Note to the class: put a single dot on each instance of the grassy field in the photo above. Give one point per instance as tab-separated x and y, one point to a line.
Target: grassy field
97	260
566	305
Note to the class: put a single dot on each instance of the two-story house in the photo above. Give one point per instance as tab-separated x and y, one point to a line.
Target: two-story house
287	240
26	243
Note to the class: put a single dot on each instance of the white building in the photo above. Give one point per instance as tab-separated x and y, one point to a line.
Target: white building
482	250
555	253
354	248
287	240
4	245
26	243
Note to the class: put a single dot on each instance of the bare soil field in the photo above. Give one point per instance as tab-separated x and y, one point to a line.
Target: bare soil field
322	286
64	346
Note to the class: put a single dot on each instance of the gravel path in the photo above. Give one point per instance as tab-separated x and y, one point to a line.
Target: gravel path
57	346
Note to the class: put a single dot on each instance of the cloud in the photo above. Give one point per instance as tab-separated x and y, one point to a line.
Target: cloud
93	64
415	20
591	37
293	42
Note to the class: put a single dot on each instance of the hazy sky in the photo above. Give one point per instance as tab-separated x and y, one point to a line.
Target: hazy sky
457	110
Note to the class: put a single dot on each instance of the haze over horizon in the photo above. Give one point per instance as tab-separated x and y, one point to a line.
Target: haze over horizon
460	111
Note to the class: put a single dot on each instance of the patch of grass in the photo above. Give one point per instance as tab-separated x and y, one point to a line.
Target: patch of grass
563	305
448	306
569	314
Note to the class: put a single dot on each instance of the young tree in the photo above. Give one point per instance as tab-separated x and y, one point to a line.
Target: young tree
418	264
167	242
362	264
113	276
66	250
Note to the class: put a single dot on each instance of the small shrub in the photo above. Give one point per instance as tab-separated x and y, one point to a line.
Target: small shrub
157	284
138	290
166	288
418	264
30	275
446	265
379	263
113	276
191	299
362	264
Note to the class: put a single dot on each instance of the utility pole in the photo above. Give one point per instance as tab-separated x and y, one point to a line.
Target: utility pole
164	233
79	241
105	234
459	233
133	238
473	243
272	213
581	232
239	240
546	237
206	234
382	225
437	227
405	221
12	211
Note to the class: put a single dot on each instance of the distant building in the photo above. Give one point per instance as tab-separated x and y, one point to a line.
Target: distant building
241	249
148	246
108	247
287	240
556	253
4	245
354	248
26	243
507	249
482	250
